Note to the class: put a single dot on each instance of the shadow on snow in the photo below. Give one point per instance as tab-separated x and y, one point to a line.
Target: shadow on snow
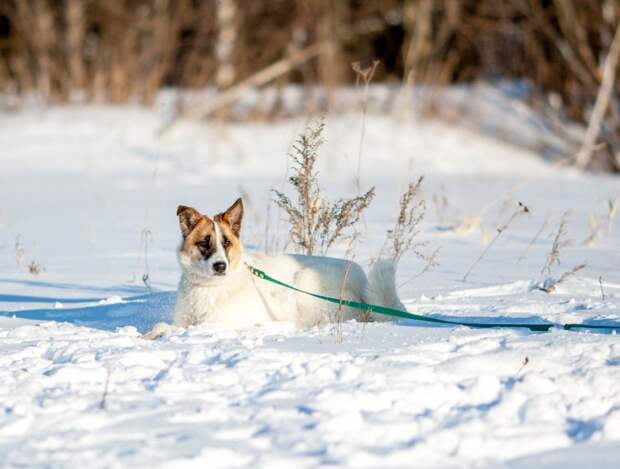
145	310
142	311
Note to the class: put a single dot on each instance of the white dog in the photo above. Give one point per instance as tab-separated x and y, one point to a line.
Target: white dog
217	286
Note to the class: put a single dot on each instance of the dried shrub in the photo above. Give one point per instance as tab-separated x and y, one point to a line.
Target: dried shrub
404	235
559	243
316	223
548	284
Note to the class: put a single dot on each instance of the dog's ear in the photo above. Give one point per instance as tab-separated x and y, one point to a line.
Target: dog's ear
188	217
234	215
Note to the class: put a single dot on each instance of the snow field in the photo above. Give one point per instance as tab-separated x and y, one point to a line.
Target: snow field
80	185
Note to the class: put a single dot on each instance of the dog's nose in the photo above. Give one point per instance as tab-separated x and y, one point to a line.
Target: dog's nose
219	267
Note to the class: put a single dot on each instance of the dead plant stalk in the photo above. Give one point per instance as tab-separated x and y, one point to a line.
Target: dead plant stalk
534	239
601	104
365	75
559	243
316	223
405	233
521	209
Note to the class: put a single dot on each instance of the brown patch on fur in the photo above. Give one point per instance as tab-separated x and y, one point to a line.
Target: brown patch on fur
233	216
188	218
199	237
230	226
198	233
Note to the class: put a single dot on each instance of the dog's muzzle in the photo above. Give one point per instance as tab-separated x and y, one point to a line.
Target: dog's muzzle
219	268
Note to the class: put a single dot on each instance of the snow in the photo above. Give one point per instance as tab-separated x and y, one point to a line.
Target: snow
89	194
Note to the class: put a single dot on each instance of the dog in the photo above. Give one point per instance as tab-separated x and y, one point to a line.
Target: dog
218	288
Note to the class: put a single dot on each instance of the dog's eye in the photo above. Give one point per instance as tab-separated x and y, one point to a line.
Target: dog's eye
204	243
226	242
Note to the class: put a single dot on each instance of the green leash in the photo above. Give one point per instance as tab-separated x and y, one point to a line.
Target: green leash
417	317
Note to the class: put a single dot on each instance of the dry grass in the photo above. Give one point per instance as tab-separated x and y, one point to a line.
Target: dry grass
339	315
534	239
441	203
430	262
521	210
601	226
364	75
34	267
146	237
548	283
404	235
595	231
316	223
559	243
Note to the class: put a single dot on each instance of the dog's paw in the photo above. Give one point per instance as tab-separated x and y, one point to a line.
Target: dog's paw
159	330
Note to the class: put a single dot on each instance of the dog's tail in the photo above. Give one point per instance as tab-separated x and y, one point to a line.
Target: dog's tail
381	289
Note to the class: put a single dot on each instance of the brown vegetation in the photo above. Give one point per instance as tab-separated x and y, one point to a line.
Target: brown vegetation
316	223
117	50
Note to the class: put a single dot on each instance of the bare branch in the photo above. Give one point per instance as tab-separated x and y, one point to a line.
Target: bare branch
601	104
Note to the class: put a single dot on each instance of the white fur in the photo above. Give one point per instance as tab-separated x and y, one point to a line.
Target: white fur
219	255
239	299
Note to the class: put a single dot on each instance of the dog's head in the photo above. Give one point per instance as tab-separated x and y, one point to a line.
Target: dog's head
211	248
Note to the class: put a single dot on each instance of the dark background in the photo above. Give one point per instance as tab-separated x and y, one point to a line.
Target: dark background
121	50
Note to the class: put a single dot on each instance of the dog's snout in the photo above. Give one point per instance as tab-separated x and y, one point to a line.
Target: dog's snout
219	267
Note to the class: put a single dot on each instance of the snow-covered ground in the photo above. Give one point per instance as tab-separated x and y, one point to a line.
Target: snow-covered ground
89	195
